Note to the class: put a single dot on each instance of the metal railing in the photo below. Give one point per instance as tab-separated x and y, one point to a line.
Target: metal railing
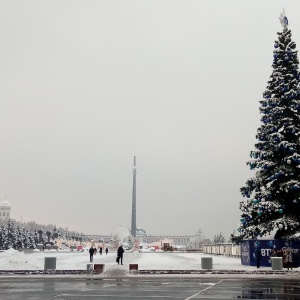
225	249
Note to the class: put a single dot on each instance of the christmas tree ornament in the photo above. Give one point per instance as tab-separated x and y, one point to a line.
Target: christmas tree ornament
283	20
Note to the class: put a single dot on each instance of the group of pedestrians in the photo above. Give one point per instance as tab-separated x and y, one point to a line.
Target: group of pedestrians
120	252
93	251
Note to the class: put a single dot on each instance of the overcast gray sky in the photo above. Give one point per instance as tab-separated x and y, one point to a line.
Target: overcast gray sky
87	85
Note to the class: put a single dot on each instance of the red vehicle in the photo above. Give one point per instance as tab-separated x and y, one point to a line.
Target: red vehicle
167	247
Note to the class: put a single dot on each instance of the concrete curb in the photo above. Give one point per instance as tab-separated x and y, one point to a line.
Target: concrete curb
153	272
228	272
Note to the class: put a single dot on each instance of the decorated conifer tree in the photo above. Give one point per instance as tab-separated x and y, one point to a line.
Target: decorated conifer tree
272	204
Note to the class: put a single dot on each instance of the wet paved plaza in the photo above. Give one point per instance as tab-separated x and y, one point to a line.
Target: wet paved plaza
148	288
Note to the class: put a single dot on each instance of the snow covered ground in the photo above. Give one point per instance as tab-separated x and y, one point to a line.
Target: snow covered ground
14	260
223	267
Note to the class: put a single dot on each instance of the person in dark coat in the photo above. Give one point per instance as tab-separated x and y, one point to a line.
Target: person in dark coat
106	250
288	258
100	251
91	251
120	255
258	257
273	253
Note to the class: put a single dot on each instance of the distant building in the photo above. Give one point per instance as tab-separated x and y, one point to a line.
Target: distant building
5	210
140	232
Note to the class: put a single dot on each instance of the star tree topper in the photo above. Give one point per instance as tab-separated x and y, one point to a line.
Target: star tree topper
283	19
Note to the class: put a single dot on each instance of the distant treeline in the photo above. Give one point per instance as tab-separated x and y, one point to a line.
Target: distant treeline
18	235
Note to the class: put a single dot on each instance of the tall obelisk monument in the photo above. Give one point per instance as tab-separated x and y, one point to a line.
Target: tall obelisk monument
133	215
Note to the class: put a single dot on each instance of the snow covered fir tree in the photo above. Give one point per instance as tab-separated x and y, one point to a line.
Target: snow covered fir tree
272	204
18	236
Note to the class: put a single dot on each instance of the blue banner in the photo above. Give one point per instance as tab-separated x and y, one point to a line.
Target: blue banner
254	250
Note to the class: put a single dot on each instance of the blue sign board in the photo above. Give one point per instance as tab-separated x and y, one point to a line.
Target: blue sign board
250	248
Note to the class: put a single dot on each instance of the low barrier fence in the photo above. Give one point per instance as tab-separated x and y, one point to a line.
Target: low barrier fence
222	249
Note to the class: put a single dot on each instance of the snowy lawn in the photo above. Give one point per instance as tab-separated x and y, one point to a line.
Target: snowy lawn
14	260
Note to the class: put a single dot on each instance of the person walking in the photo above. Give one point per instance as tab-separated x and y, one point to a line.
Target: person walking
273	253
91	251
106	250
120	255
100	250
258	257
288	258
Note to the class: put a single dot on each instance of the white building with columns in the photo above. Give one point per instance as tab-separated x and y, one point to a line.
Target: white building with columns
5	210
